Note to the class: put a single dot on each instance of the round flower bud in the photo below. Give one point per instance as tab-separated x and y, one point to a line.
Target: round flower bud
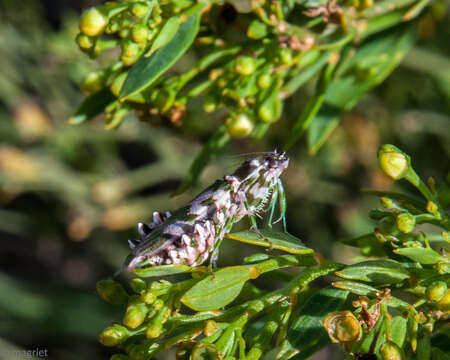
135	315
118	83
285	56
153	331
245	65
393	162
210	104
270	110
239	127
138	285
391	351
406	222
257	30
112	292
342	326
84	41
139	10
114	335
432	207
436	291
92	22
93	83
149	297
210	327
264	81
130	49
140	33
444	303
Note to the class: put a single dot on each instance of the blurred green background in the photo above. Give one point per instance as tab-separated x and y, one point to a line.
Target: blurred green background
70	196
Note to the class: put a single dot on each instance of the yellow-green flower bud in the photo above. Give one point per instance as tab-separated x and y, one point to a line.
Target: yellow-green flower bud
210	104
245	65
436	291
124	33
393	162
114	335
138	285
406	222
84	41
387	202
391	351
239	127
112	27
285	56
130	49
432	207
270	110
92	22
139	10
112	292
210	327
93	82
118	83
149	297
342	326
158	304
154	331
257	30
140	33
135	315
264	81
444	303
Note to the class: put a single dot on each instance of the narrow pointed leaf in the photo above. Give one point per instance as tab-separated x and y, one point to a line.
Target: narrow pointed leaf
421	255
147	69
376	271
275	239
163	270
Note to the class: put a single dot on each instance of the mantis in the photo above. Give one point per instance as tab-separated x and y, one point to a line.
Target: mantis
193	233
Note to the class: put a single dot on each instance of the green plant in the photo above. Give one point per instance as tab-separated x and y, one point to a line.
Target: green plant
249	58
394	307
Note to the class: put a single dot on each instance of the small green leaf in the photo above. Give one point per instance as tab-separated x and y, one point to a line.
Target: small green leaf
92	106
147	69
421	255
307	335
166	34
163	270
275	239
355	287
398	330
376	271
214	292
321	128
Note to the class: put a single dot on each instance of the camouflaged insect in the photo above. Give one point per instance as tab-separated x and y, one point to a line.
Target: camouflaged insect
194	232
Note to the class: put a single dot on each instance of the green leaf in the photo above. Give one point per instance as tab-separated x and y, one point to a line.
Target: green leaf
321	128
398	330
307	335
421	255
208	152
215	292
147	69
163	270
376	271
368	244
92	106
165	35
275	239
355	287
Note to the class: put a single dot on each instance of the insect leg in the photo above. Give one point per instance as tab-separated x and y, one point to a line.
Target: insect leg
256	229
272	206
282	203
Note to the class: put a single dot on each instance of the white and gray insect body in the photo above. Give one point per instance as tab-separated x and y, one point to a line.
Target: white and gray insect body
190	234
